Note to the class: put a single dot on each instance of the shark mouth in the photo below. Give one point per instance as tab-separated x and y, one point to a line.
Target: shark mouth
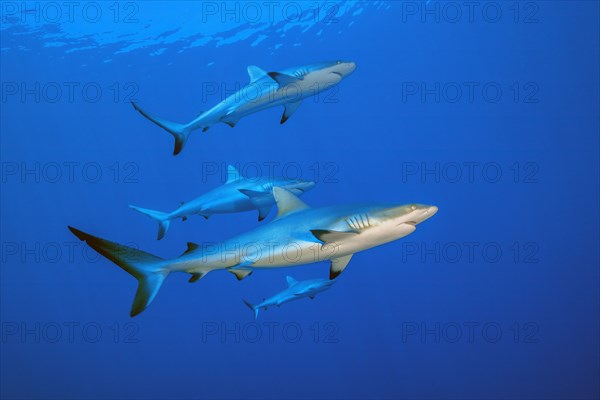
338	73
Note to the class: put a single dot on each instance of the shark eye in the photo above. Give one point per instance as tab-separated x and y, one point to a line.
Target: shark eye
338	62
413	207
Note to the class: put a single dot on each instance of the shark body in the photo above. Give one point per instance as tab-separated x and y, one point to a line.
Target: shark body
266	89
296	290
299	235
238	194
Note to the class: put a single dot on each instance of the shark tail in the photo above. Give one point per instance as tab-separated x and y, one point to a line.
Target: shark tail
253	308
180	132
149	270
162	218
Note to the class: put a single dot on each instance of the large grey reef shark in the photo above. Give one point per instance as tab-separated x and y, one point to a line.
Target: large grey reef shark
299	235
238	194
266	89
296	290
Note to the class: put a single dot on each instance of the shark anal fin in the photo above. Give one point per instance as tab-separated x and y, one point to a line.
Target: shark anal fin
283	79
289	109
338	265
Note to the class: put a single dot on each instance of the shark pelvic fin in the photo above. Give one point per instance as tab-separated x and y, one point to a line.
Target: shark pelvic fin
256	73
289	109
290	281
195	276
287	202
338	265
283	79
241	273
232	174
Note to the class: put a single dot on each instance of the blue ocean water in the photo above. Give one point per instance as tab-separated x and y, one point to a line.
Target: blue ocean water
488	110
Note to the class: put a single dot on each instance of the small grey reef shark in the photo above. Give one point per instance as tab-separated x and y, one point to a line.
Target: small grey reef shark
295	291
266	89
298	235
238	194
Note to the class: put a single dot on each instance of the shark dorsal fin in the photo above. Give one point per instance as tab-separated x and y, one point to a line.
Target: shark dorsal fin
290	281
190	247
287	202
256	73
232	174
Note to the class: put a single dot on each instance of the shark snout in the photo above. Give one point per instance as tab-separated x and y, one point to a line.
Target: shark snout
426	212
305	186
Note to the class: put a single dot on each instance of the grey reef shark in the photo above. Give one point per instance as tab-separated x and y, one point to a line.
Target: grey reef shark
266	89
296	290
238	194
298	235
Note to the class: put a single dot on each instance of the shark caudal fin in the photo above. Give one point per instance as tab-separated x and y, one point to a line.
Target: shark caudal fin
147	269
253	308
180	132
162	218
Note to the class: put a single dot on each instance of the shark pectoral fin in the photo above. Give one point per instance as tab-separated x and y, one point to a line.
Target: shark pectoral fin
190	247
289	109
263	212
326	236
283	79
195	276
256	73
255	197
258	200
241	273
290	281
338	265
287	202
233	174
